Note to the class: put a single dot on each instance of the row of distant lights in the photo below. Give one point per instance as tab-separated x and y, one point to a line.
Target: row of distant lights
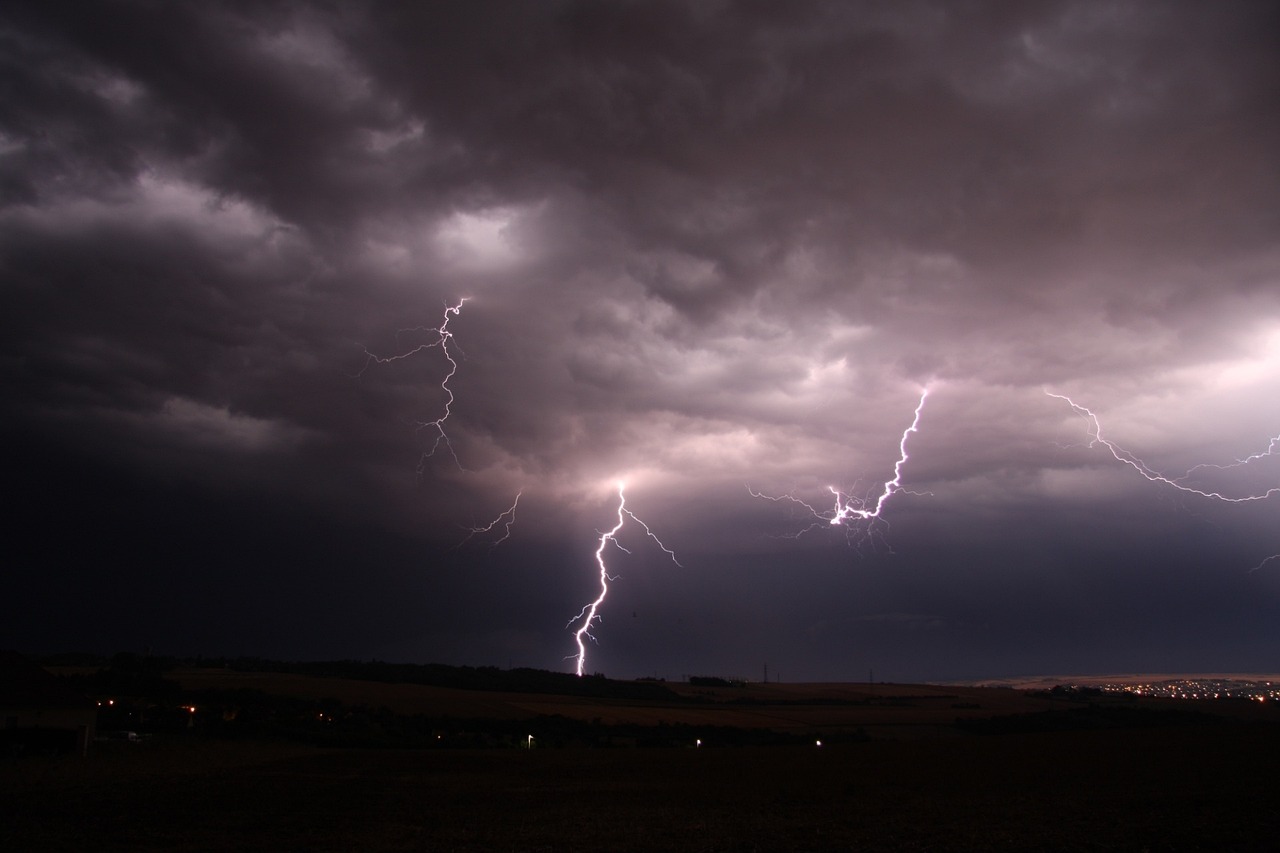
1195	690
190	709
697	743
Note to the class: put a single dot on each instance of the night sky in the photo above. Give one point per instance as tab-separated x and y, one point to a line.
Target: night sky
708	248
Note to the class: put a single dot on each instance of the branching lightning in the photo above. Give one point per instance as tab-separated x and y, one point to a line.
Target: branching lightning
590	611
849	509
1180	483
509	514
1272	447
1122	455
442	340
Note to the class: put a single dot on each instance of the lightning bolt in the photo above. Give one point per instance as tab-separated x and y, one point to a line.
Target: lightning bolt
1264	562
590	611
509	514
1271	449
849	509
1121	455
443	337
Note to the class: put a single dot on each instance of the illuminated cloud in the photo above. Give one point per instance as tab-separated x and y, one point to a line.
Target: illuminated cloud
483	240
705	247
215	427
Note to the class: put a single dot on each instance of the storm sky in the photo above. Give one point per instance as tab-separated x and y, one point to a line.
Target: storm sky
710	248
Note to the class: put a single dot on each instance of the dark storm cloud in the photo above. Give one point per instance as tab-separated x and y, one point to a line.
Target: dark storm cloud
704	245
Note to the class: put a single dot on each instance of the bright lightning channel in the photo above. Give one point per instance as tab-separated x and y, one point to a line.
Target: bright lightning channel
442	340
590	611
509	514
849	509
1122	455
1179	483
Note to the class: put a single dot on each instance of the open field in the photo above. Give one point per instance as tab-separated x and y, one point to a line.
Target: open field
880	710
1197	788
886	709
877	710
1165	781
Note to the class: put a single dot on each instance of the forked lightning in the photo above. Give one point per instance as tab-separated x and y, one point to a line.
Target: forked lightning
590	611
848	509
1179	483
442	340
443	337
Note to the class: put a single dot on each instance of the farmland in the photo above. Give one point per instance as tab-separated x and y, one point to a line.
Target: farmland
911	767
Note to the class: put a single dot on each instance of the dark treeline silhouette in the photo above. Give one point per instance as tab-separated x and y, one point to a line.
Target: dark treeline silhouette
127	666
144	701
490	678
714	681
136	693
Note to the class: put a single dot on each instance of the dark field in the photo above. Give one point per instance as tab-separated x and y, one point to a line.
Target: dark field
1198	787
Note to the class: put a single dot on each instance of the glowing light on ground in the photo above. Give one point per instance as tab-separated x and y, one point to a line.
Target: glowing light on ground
590	612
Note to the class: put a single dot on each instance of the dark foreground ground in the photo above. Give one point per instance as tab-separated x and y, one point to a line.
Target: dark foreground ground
1176	788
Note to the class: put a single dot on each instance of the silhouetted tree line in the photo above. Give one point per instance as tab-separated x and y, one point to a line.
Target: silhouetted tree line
489	678
1072	692
144	700
126	671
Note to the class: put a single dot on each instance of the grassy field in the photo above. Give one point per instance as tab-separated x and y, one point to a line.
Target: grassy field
919	782
1179	788
892	709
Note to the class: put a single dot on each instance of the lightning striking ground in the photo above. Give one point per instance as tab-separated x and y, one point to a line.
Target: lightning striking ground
590	611
849	509
1180	482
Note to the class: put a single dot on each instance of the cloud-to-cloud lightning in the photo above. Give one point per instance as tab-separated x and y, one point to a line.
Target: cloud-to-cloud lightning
443	337
1122	455
849	509
1179	483
509	514
442	340
589	612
